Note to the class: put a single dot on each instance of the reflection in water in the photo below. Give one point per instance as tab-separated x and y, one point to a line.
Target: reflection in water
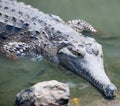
20	74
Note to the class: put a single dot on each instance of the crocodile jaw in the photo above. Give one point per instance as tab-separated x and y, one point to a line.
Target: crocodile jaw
97	75
89	67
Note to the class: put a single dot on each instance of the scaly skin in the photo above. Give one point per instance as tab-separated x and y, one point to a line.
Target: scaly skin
26	31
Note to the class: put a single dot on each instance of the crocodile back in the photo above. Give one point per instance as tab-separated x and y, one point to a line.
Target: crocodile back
16	17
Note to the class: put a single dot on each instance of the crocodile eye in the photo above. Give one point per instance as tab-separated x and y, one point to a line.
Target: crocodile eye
79	53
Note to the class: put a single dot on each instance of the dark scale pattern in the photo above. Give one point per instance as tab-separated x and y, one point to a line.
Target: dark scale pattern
12	20
24	18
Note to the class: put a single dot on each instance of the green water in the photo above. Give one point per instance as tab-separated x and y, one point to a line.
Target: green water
104	15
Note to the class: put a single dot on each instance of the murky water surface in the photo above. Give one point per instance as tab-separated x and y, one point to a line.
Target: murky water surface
104	15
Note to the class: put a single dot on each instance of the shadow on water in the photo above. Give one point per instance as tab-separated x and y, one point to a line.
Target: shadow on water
21	74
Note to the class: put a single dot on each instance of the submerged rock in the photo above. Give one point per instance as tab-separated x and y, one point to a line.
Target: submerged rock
47	93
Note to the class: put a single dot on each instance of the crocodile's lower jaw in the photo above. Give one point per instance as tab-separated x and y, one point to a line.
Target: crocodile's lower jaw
104	85
107	89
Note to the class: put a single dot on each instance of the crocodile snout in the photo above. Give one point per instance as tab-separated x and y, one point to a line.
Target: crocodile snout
110	91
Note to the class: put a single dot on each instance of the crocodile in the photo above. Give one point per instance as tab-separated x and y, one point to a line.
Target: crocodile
26	31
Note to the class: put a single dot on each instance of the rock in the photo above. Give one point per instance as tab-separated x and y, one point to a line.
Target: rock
47	93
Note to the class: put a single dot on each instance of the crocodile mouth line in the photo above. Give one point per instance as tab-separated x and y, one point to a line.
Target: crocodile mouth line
88	76
107	90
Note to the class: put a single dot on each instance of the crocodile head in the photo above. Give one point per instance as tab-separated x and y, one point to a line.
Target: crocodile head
86	59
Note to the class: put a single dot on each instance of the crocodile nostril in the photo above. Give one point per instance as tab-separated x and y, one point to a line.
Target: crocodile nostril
110	91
